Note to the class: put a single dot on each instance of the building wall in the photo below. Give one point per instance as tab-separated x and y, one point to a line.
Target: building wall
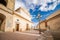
24	18
54	23
42	25
8	20
25	15
11	20
10	4
22	23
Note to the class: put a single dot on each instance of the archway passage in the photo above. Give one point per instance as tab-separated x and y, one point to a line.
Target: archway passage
3	2
2	22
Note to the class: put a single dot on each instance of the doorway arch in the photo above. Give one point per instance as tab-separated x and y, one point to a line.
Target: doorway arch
17	27
2	22
27	26
3	2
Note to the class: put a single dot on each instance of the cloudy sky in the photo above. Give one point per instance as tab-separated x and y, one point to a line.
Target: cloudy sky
42	7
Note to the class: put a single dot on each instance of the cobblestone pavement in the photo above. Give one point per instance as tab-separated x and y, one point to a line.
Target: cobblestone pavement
17	36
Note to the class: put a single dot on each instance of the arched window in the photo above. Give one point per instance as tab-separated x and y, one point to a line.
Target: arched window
3	2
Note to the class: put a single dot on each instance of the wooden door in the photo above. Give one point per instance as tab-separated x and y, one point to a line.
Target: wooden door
17	27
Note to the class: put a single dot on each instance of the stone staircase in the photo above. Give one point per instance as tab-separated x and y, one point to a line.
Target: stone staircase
46	36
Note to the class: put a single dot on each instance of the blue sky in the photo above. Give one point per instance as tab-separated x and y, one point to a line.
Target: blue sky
42	7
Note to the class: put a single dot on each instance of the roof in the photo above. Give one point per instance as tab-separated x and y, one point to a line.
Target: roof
25	10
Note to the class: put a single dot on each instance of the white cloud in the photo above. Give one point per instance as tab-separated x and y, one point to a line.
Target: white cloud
42	8
58	1
51	7
33	16
35	1
30	4
49	1
19	4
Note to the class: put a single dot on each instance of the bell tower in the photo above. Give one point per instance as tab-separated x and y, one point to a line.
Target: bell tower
10	4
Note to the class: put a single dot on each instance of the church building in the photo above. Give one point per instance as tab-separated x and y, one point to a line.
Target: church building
14	20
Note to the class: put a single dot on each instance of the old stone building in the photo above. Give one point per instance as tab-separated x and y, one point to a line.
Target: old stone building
52	22
42	25
10	20
22	18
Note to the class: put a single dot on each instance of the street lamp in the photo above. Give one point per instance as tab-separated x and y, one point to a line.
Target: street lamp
38	17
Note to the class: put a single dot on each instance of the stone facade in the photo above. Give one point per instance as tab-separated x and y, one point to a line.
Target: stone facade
23	19
42	25
8	18
52	22
11	20
10	4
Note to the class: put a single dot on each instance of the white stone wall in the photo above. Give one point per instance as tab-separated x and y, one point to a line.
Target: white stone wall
22	22
25	15
9	19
